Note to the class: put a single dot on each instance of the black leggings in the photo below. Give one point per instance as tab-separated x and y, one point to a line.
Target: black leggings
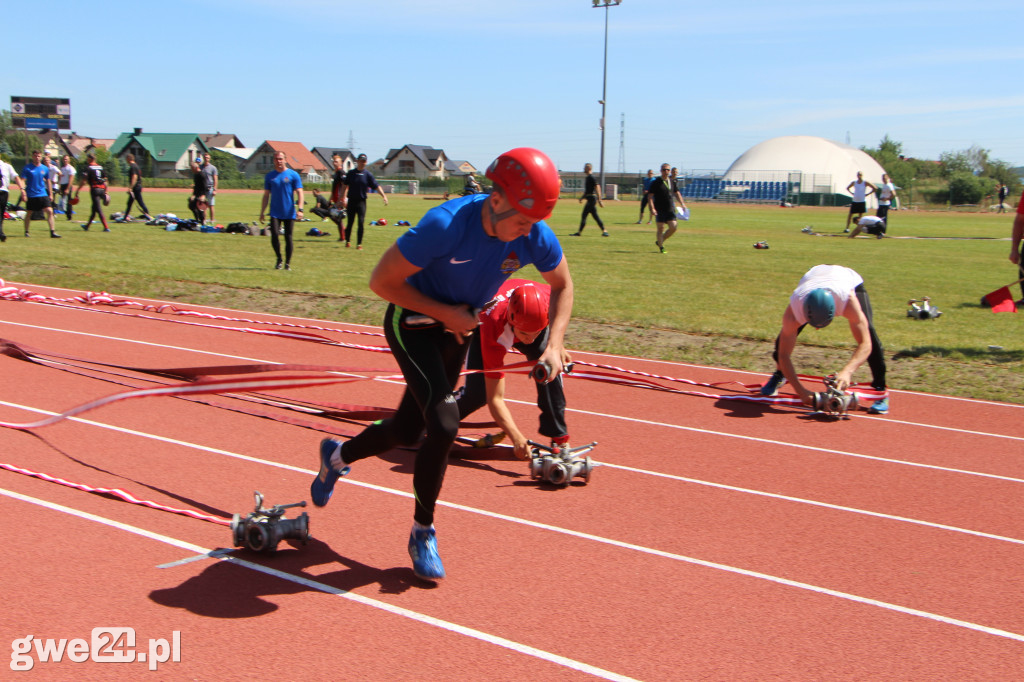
430	359
135	193
590	208
550	396
98	194
289	227
876	361
355	209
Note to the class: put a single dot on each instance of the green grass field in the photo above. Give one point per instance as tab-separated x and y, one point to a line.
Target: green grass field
712	298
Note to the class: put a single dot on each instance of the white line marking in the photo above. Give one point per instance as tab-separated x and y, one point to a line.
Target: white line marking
352	596
248	359
507	643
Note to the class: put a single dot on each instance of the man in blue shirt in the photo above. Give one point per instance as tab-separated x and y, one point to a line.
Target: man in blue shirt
39	190
282	187
435	277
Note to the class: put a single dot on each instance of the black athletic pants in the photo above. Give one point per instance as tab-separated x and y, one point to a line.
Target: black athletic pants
876	361
135	194
356	209
98	195
590	208
550	396
430	359
287	227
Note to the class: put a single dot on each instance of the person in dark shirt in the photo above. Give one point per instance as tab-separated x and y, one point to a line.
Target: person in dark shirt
592	194
134	189
663	194
358	183
96	176
197	202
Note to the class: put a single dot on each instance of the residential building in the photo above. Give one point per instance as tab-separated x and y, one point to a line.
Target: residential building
160	155
297	157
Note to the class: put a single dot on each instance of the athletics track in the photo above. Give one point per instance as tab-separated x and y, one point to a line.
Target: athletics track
719	540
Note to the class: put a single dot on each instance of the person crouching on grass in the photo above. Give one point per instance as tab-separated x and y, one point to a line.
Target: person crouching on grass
822	293
518	319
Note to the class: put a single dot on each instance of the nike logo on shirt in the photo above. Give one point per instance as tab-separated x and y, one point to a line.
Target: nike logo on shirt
459	262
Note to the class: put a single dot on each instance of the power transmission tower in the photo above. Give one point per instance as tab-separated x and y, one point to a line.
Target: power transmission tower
622	144
351	142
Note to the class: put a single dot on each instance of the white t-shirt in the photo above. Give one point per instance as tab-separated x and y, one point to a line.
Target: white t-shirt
839	280
885	194
869	220
67	174
6	173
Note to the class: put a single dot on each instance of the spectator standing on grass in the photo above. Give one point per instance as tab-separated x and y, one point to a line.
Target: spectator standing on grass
886	198
338	199
1004	193
198	201
822	293
1017	244
134	189
38	191
663	196
645	198
282	187
358	184
435	277
67	176
212	182
517	319
592	195
8	176
96	176
861	190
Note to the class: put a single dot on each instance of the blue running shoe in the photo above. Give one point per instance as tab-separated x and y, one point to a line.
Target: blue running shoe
426	563
323	485
774	383
879	407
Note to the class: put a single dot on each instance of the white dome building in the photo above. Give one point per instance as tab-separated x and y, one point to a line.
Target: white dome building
808	164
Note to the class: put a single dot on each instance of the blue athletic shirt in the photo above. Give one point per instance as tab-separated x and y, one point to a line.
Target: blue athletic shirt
282	198
35	180
461	264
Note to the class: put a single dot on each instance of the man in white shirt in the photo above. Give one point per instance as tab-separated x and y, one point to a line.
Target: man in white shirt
67	175
859	188
886	197
7	176
870	224
824	292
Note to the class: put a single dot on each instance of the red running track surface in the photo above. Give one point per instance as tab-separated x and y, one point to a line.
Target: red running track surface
719	540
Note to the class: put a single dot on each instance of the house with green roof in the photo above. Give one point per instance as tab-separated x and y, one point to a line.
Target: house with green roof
160	155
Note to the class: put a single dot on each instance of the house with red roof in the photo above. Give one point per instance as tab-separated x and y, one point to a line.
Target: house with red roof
296	157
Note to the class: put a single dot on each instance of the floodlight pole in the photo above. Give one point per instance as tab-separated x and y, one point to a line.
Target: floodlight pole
604	87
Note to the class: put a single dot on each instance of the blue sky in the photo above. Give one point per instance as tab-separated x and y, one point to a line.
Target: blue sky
698	82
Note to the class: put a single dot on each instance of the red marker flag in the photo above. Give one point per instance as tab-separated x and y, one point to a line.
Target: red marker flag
1001	301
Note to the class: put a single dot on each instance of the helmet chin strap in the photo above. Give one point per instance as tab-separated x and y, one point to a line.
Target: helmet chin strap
494	217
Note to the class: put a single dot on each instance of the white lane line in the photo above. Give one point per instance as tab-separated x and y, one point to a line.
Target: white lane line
596	538
207	553
671	363
720	433
203	552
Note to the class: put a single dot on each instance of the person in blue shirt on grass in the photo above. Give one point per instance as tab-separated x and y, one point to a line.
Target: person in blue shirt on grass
282	188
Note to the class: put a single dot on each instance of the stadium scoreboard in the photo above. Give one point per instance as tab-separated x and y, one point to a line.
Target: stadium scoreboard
41	113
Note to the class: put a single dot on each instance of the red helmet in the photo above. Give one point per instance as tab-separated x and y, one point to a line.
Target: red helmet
529	179
527	309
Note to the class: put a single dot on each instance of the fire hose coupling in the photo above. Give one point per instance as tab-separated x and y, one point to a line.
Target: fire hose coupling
833	401
541	372
261	530
559	465
921	309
